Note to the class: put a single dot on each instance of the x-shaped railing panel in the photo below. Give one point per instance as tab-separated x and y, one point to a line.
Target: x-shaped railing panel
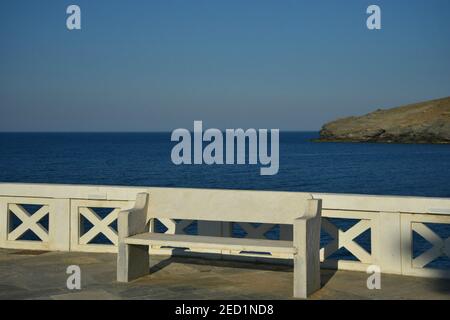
256	232
346	239
99	225
29	222
440	247
174	227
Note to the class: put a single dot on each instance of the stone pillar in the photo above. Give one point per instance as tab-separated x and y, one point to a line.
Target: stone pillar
386	242
59	225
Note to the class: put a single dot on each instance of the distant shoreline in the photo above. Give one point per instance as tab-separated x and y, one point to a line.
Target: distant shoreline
420	123
320	140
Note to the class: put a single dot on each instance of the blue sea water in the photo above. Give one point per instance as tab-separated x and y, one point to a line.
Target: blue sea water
143	159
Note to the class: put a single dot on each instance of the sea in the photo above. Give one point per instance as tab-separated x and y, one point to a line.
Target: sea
144	159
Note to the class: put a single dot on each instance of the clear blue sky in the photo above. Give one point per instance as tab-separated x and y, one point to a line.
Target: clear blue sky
161	64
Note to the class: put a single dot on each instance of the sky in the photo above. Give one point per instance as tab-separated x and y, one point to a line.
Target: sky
159	65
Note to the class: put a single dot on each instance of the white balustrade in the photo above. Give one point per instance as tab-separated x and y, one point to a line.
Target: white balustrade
393	223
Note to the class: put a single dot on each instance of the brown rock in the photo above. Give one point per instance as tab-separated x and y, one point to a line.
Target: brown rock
425	122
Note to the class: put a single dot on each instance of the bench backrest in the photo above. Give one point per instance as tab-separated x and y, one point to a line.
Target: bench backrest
227	205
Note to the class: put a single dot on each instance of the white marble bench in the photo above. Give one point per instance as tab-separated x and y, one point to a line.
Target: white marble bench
297	209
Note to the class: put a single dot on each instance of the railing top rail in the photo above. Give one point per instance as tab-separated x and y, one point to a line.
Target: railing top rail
356	202
404	204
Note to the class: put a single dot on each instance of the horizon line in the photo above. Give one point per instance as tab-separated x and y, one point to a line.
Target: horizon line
293	131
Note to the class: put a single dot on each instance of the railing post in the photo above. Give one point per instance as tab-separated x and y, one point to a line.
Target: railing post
209	228
386	242
59	232
215	229
286	232
3	222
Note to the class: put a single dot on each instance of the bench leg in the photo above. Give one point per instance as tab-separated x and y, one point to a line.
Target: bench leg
133	262
307	258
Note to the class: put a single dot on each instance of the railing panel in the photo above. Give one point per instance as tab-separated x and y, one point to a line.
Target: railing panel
415	262
34	223
94	224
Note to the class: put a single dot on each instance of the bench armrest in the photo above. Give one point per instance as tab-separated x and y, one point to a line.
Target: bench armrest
134	220
313	210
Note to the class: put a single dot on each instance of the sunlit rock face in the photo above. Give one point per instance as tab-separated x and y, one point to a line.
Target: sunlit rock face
425	122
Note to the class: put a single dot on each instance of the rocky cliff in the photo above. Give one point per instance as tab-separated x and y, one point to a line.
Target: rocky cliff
425	122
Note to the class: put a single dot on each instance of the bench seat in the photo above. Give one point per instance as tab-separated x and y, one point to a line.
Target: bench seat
203	242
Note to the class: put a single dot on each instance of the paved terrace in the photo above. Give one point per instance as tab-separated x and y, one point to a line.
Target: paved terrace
42	275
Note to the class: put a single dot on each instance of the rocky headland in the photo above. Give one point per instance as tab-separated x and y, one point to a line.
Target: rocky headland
425	122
